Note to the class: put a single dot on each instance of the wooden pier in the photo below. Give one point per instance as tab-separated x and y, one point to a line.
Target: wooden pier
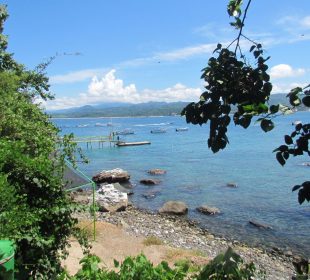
90	140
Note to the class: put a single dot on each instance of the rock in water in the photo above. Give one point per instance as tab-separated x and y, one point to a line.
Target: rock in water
157	171
231	185
116	175
174	208
204	209
149	182
259	224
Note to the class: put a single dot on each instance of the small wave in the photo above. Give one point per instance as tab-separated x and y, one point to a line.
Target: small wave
154	124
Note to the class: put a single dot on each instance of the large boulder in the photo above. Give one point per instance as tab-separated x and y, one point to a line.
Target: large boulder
149	181
174	208
116	175
204	209
109	199
157	171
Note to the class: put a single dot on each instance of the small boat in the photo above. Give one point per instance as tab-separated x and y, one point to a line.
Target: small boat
82	125
159	130
181	129
99	124
124	144
124	132
109	124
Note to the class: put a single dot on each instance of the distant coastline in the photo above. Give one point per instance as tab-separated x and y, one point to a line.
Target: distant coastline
150	109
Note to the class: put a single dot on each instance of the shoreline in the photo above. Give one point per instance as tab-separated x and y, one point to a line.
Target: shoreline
180	232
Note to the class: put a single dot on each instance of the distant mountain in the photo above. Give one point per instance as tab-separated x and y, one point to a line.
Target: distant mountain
122	110
141	109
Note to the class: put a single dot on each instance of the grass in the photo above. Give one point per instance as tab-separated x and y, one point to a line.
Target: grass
152	240
87	228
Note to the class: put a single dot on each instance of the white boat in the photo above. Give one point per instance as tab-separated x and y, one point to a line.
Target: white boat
124	144
124	132
181	129
99	124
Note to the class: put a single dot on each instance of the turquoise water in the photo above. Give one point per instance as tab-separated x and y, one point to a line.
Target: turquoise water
197	176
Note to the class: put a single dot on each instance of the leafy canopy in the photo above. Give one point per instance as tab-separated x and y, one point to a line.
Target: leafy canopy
36	212
239	85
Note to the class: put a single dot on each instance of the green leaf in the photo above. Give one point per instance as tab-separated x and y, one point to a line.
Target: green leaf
116	263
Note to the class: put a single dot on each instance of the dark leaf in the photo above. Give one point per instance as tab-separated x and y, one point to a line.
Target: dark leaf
280	158
306	100
296	188
288	140
274	109
301	197
252	48
266	125
286	155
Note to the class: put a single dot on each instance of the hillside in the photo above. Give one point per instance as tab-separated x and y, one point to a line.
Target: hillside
141	109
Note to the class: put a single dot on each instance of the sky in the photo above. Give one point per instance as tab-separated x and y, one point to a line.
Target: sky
149	50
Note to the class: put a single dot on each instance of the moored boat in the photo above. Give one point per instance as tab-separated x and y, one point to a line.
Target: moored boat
124	144
124	132
159	130
181	129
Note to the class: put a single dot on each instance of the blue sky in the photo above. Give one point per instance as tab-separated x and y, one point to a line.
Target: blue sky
149	50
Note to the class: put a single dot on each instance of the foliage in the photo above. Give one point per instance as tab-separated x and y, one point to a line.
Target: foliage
228	266
133	268
233	82
302	269
36	212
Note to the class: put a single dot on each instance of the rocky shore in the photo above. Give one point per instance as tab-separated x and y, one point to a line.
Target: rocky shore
182	233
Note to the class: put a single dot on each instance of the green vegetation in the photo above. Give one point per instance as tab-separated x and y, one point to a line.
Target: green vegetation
36	212
228	266
152	240
233	82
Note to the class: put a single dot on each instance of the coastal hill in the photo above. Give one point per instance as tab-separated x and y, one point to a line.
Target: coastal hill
141	109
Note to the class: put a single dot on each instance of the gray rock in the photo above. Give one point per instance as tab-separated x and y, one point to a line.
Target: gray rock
115	207
157	171
151	194
259	224
149	181
174	208
231	185
205	209
111	176
109	199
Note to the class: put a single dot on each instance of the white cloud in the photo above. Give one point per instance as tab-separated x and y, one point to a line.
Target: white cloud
76	76
305	22
285	71
170	56
184	53
110	89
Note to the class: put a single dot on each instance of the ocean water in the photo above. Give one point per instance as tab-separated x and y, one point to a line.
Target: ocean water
197	176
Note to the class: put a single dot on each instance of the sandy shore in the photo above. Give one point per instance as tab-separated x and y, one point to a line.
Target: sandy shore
127	233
